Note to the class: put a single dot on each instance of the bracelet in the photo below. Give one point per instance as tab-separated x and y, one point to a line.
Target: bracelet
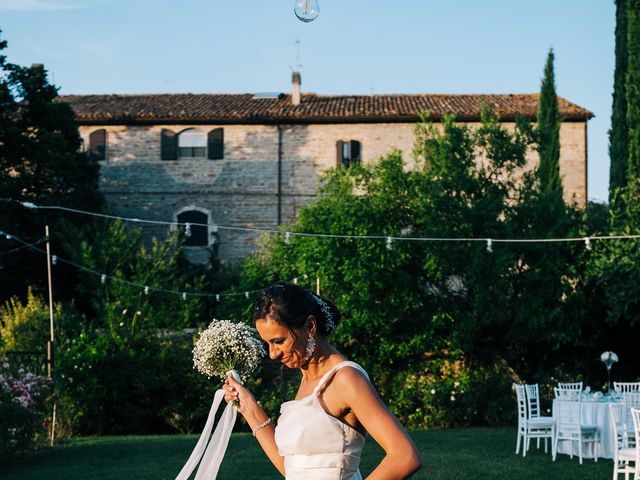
261	426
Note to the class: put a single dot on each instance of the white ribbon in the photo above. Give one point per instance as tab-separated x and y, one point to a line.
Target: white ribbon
217	444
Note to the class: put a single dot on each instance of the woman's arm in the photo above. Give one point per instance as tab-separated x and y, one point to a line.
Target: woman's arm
255	416
402	458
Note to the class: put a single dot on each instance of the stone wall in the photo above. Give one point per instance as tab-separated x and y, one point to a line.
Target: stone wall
241	191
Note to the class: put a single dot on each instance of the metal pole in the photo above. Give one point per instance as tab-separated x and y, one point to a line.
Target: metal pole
51	342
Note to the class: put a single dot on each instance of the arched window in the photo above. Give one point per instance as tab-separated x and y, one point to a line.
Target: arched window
192	143
199	233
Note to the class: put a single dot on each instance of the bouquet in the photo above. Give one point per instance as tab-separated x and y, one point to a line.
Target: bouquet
224	347
227	347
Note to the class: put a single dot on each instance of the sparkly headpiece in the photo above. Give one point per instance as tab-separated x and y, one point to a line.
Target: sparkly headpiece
326	310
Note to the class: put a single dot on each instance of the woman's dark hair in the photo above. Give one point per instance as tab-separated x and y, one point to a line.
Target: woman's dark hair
291	305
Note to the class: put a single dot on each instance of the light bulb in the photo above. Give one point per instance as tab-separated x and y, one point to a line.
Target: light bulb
306	10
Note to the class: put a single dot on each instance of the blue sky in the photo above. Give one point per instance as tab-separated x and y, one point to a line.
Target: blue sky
354	47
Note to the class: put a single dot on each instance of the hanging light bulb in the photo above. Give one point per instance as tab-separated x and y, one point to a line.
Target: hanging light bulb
489	245
103	279
187	230
306	10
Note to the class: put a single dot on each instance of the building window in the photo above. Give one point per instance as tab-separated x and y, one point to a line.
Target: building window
348	153
192	143
215	143
98	144
198	227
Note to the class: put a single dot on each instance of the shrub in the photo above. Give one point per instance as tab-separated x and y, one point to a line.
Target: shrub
24	398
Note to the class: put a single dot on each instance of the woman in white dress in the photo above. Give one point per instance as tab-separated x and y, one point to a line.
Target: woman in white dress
320	434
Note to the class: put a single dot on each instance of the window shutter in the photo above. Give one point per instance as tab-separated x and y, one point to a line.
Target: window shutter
98	144
339	155
215	144
168	145
355	152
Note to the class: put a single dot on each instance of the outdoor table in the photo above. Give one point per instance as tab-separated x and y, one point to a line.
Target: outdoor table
593	412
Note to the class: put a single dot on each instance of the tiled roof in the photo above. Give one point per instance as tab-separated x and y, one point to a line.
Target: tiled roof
248	108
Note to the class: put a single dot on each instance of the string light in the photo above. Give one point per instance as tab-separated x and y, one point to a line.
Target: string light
54	259
587	243
103	279
187	229
184	295
289	234
146	288
287	238
489	245
389	244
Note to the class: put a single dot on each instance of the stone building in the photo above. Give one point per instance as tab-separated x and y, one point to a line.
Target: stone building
251	161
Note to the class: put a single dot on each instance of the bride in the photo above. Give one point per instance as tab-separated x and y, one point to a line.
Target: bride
320	434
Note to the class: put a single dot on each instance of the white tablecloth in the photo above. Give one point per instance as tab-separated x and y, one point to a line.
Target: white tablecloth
593	413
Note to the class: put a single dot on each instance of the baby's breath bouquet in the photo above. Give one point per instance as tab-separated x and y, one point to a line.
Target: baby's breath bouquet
227	347
224	347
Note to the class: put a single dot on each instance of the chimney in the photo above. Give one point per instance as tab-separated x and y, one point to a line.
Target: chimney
296	80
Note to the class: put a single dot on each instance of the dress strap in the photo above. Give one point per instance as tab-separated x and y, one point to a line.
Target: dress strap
332	372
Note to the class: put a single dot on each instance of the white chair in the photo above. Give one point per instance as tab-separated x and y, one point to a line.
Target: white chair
626	387
630	400
623	455
569	426
635	414
544	425
573	386
529	428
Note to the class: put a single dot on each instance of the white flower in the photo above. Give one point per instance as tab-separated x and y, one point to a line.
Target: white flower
456	384
225	346
609	357
453	398
433	391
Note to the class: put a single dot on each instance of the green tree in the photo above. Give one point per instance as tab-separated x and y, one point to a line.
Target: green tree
40	162
130	362
618	134
549	134
633	88
437	316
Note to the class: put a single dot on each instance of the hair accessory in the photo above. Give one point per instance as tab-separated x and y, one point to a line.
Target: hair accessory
261	426
326	310
310	348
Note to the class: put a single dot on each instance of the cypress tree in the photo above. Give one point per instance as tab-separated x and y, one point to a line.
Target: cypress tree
633	88
618	135
549	134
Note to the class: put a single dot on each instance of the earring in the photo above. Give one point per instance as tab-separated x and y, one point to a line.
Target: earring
310	348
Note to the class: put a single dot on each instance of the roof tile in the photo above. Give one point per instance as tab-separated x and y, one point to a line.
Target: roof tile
246	108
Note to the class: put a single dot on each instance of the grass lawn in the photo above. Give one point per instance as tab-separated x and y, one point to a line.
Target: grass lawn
482	453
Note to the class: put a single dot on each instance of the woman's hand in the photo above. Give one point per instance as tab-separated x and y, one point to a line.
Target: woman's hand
236	391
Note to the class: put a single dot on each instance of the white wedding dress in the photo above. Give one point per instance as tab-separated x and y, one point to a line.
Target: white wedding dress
315	445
